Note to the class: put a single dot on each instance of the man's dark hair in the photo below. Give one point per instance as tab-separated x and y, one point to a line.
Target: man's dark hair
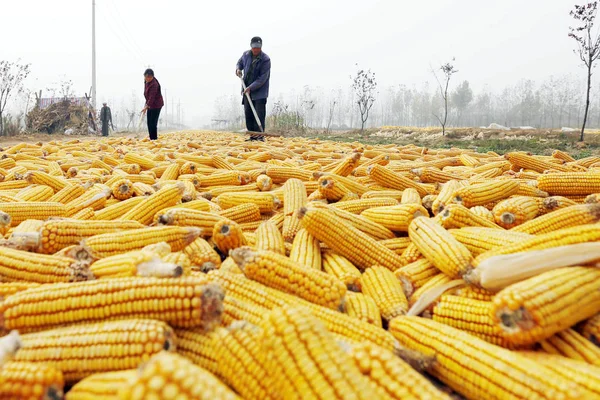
149	72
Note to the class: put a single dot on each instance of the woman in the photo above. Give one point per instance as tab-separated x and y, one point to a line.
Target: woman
154	102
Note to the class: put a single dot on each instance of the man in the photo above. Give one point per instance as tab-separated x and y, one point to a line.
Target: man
154	102
255	68
105	118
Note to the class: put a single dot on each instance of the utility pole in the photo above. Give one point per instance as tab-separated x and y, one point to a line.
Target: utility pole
94	55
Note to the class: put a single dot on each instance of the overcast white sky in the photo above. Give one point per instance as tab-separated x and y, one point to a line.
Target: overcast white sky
193	45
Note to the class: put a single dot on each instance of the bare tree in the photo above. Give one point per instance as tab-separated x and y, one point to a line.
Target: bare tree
588	45
448	70
364	86
332	103
12	75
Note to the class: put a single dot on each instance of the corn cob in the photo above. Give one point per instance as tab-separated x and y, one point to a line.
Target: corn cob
144	212
410	254
561	237
202	255
279	272
561	155
92	198
363	224
570	344
243	213
526	189
35	193
475	293
228	235
133	169
341	268
109	244
528	313
116	345
525	161
445	196
590	329
383	368
257	296
117	210
122	189
358	206
55	235
385	289
43	178
144	162
417	273
586	376
347	165
300	371
563	218
103	385
393	180
397	245
9	288
142	189
358	247
485	193
479	240
493	372
197	305
188	217
268	237
18	265
483	212
515	211
198	205
282	174
240	347
471	316
439	247
200	347
570	183
24	380
362	307
332	190
146	179
393	194
14	184
134	263
20	212
306	250
410	196
458	216
396	218
176	377
434	175
265	201
85	214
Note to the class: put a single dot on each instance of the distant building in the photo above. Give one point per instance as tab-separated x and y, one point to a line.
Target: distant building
75	101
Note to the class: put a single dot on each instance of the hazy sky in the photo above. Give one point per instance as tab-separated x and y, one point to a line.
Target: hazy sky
193	45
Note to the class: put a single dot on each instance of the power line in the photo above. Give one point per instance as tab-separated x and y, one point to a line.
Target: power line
125	46
124	27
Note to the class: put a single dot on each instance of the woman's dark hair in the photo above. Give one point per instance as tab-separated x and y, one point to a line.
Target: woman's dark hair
149	72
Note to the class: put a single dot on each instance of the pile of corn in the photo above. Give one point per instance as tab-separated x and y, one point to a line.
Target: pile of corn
201	266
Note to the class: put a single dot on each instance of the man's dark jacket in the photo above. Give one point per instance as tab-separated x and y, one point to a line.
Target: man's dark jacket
261	74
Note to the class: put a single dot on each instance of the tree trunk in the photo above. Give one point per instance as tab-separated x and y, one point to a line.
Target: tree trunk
1	124
587	100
